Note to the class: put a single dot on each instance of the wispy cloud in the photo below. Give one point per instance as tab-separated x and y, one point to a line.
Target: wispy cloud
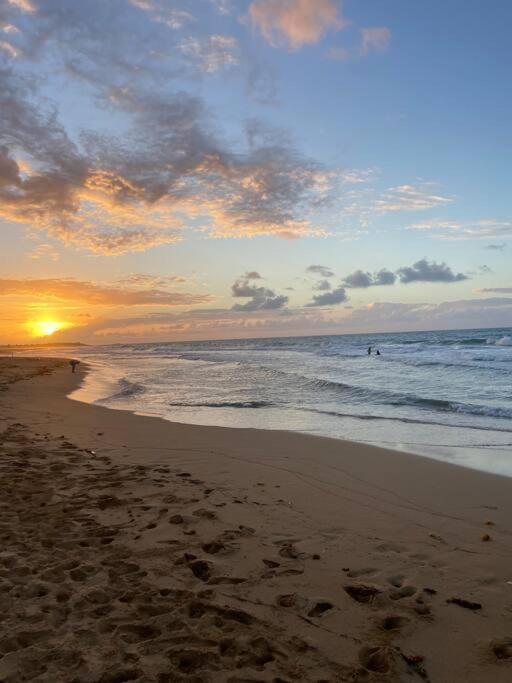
145	280
496	290
374	39
44	252
410	198
68	289
453	229
295	23
211	54
162	12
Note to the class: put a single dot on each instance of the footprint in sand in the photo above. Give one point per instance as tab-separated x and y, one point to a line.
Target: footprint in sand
364	571
502	648
362	592
397	580
403	592
393	622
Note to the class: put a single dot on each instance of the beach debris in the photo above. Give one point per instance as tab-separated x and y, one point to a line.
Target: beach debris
485	538
467	604
362	592
489	522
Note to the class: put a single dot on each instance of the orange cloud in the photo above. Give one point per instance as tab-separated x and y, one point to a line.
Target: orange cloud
295	23
91	293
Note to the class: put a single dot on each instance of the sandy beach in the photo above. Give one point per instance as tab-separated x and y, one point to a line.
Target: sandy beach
135	549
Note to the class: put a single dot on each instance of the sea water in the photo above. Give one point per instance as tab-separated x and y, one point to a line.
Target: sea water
447	395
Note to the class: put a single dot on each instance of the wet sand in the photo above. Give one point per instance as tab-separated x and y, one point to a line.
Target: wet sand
135	549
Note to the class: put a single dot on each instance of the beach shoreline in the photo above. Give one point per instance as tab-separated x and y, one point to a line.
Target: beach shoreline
340	559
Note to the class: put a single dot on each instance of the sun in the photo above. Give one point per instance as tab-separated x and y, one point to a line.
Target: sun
45	328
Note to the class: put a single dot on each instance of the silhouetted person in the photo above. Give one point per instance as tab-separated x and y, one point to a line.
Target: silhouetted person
73	364
369	351
378	353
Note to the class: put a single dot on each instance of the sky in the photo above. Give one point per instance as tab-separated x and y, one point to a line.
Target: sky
205	169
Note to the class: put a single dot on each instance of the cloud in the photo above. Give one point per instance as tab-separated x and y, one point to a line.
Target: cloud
425	271
44	252
375	39
161	12
410	198
320	270
360	279
337	296
262	83
294	23
448	229
211	54
69	289
144	280
252	275
113	195
261	298
467	313
223	6
322	286
164	167
496	290
496	247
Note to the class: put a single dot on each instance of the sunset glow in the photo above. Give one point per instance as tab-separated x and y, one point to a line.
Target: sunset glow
269	168
45	328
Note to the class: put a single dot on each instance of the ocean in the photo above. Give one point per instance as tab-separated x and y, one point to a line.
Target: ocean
445	395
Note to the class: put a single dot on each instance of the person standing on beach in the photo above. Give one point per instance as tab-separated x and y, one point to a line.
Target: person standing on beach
73	364
369	351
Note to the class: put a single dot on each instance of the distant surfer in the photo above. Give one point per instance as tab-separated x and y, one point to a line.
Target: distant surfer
378	353
73	364
369	351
